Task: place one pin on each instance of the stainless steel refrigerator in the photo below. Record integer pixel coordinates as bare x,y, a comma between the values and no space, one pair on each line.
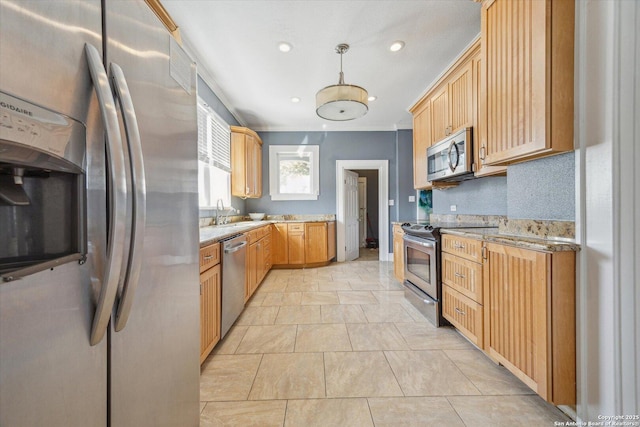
99,291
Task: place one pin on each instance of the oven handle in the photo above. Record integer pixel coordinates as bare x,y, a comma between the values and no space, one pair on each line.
413,291
419,241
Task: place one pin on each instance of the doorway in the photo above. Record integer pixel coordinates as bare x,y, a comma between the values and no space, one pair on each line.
342,169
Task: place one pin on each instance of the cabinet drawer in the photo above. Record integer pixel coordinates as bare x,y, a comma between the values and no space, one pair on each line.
462,275
209,256
296,227
470,249
463,313
252,236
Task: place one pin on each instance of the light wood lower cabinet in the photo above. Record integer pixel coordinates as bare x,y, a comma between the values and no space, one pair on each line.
530,318
258,258
210,310
398,252
462,286
297,244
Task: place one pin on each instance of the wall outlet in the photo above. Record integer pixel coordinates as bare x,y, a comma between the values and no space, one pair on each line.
453,208
391,202
412,199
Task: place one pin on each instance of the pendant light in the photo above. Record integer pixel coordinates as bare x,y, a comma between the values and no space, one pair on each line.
342,102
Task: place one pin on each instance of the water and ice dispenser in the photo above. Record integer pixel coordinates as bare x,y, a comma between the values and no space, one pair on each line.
42,188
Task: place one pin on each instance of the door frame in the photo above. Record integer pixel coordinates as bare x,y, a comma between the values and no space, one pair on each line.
382,166
362,237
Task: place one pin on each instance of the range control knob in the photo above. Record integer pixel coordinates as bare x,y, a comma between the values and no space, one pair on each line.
429,227
406,224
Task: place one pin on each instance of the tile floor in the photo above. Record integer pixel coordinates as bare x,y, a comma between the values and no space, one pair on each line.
339,346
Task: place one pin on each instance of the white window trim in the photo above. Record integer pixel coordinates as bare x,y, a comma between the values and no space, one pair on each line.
313,151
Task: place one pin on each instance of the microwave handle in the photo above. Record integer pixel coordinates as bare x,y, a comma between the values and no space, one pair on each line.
451,147
118,205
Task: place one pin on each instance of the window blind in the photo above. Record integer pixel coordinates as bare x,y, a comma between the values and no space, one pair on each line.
214,138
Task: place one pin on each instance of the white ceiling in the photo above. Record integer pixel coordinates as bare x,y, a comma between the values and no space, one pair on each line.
236,47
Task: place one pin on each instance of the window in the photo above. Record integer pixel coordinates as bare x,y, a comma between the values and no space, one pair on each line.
214,158
293,172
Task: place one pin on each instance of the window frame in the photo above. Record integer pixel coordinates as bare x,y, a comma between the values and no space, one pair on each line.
313,152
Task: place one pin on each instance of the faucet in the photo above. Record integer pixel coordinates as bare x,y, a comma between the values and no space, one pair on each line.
219,207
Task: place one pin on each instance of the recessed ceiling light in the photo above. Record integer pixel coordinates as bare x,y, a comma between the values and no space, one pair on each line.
372,98
295,99
396,46
284,47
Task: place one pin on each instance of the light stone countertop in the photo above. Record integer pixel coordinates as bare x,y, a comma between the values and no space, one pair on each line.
492,235
215,233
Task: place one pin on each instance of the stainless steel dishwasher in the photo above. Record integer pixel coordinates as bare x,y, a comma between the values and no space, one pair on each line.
233,280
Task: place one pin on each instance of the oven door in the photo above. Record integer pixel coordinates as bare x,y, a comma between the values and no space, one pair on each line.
420,266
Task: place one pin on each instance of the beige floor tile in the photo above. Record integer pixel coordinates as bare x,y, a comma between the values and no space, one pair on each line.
282,298
268,339
268,413
228,377
375,336
386,313
202,405
342,314
365,286
319,298
413,411
257,316
507,411
317,338
359,374
298,314
337,285
289,376
389,297
428,373
273,285
356,297
300,286
425,336
328,413
488,377
231,341
256,299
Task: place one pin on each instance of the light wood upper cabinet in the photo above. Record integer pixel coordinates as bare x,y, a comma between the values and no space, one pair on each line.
440,114
530,317
315,246
480,120
527,79
246,163
421,141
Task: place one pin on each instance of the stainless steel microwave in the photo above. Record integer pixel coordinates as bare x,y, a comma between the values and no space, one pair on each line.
452,158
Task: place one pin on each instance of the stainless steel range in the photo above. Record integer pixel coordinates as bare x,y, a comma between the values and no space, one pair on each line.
422,267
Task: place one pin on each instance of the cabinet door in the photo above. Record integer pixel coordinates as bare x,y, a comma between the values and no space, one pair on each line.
251,270
528,59
209,311
250,166
238,165
460,98
279,244
315,238
515,282
296,243
398,253
440,114
421,141
480,125
259,265
257,165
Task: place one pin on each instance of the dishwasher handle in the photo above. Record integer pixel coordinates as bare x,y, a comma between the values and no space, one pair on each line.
236,248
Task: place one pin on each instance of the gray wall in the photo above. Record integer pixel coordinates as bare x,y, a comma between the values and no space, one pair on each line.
205,92
543,189
333,146
482,196
406,210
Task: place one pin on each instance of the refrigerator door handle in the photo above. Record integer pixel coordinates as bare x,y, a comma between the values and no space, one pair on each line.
118,205
139,199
